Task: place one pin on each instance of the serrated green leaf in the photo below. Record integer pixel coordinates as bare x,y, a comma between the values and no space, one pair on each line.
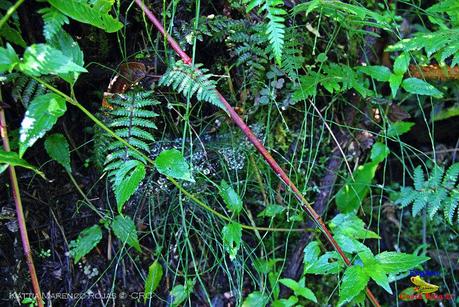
8,59
86,241
230,197
57,147
394,262
299,289
379,73
398,128
255,299
127,180
420,87
53,21
124,229
352,226
70,48
181,292
95,15
355,280
155,273
328,263
40,117
12,158
375,270
42,59
232,237
172,163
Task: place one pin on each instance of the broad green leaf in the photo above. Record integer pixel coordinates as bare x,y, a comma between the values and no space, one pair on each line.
127,180
232,236
379,152
401,63
12,35
12,158
352,226
398,128
351,195
311,254
271,210
255,299
42,59
290,302
375,270
328,263
57,147
86,241
8,59
230,197
172,164
393,262
420,87
155,273
83,11
394,81
379,73
40,117
124,229
349,244
181,292
70,48
355,280
299,289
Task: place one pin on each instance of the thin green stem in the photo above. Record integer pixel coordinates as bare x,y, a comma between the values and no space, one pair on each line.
10,12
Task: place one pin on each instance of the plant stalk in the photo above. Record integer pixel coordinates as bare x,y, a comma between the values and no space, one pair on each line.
20,213
260,148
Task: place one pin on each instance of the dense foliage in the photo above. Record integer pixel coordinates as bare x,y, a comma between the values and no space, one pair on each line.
149,193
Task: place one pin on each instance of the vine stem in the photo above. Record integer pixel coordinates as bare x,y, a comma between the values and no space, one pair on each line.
260,147
20,213
10,12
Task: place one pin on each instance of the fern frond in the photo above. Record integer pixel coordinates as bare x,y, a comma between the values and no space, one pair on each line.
436,177
407,196
275,27
53,21
451,209
436,200
451,176
418,178
131,119
190,81
420,202
292,58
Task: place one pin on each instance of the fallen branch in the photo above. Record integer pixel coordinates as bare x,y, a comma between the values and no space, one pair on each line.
261,149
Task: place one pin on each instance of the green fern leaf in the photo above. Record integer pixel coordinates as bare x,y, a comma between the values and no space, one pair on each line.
420,202
275,27
418,178
451,176
452,206
53,21
436,177
407,196
190,81
436,200
94,13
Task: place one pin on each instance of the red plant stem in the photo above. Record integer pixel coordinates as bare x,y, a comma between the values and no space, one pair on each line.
261,149
20,213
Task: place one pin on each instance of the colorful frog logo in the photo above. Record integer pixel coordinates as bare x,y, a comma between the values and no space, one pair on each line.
423,286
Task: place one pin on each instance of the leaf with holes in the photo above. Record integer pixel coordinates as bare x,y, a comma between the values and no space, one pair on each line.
171,163
232,236
124,229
